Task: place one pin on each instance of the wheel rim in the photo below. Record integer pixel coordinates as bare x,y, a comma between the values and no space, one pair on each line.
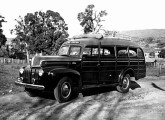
125,83
65,89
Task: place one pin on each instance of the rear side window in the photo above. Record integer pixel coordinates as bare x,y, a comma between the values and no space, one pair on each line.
90,51
122,52
107,51
87,51
95,52
132,52
140,53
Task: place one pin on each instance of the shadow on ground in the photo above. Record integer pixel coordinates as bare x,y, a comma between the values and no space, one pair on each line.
155,86
134,85
96,101
94,91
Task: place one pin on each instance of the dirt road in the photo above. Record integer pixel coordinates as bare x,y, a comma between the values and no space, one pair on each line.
145,101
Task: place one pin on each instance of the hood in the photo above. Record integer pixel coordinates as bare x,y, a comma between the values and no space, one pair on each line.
36,61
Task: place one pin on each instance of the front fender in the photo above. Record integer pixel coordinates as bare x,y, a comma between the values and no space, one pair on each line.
75,75
64,70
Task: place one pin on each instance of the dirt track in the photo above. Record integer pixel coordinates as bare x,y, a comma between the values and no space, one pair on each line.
145,101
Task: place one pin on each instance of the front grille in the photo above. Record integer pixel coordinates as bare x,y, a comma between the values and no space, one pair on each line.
31,76
35,76
27,76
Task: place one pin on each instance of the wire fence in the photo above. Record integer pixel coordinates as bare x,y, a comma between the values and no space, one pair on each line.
158,66
4,60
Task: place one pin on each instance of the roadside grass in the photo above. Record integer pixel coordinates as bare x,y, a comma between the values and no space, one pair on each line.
10,72
155,71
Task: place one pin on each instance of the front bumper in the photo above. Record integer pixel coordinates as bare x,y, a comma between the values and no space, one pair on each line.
26,85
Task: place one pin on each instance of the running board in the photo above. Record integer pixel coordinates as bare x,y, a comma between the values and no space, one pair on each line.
97,86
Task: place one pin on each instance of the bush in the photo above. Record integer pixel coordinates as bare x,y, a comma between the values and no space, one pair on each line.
12,56
20,55
3,53
162,53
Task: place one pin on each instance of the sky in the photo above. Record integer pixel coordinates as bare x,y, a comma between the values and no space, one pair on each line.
122,14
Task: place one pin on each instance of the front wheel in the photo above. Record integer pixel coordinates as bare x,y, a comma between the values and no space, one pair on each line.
63,90
125,84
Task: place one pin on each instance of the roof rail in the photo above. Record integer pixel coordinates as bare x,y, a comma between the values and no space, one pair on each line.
97,36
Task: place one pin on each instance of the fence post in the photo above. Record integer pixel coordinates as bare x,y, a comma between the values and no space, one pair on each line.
160,68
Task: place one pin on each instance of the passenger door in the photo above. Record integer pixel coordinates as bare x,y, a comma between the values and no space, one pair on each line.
107,64
90,65
122,58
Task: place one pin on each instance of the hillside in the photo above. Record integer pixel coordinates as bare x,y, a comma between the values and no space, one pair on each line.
141,37
156,33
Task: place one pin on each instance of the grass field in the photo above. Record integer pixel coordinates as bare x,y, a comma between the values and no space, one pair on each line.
9,73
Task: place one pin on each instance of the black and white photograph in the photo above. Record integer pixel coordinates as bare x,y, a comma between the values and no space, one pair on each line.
82,60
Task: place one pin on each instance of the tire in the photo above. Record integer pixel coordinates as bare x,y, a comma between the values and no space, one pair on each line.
125,85
64,90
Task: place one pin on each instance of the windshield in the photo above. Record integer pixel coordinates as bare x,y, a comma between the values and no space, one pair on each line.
63,50
70,51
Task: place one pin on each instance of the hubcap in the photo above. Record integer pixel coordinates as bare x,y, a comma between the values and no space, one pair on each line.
65,89
125,83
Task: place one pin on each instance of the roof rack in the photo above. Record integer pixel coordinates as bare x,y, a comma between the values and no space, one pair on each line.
120,36
97,36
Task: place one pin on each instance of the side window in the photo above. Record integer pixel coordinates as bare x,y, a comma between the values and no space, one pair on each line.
90,51
107,51
140,53
122,52
87,51
132,52
95,52
75,50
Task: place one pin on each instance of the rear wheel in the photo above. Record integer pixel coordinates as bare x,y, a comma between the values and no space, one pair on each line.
63,91
125,84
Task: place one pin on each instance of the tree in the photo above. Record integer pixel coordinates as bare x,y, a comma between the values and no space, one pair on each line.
2,36
17,46
162,53
90,19
41,31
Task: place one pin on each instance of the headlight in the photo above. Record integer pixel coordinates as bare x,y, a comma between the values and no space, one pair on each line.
21,70
40,72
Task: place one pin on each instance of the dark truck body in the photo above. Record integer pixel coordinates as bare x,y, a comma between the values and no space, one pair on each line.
107,62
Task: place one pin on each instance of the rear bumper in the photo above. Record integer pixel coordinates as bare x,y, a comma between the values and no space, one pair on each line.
26,85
